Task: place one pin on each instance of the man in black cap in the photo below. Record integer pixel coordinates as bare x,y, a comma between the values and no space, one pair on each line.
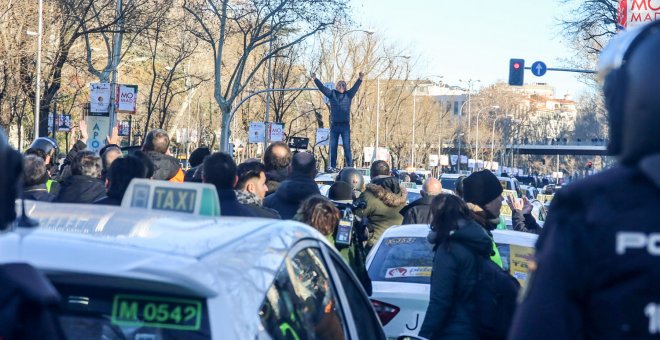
298,186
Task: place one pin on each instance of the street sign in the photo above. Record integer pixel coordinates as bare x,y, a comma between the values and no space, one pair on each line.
539,68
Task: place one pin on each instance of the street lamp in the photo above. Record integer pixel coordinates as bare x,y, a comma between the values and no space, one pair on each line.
378,106
368,31
470,83
476,147
458,162
492,138
37,92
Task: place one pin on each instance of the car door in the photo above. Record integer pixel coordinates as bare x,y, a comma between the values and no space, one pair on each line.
302,301
362,319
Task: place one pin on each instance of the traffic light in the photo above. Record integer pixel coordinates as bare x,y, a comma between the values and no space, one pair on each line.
590,165
232,150
516,72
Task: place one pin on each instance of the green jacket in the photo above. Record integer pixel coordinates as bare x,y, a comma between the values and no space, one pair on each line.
381,211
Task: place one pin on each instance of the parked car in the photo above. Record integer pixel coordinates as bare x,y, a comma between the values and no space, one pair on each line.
400,266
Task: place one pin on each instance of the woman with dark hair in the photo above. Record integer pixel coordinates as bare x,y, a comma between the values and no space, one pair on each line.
458,242
121,173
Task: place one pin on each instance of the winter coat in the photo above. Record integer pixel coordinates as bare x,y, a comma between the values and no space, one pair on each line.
274,178
165,167
450,313
256,204
38,192
290,195
229,205
418,212
382,210
597,265
340,103
81,189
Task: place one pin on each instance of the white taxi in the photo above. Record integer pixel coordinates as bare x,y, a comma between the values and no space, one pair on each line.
130,273
400,265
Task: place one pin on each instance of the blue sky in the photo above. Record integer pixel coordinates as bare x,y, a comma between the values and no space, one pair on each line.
474,39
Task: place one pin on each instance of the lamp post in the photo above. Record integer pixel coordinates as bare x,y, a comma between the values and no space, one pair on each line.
368,31
458,161
470,83
378,107
476,146
492,138
37,91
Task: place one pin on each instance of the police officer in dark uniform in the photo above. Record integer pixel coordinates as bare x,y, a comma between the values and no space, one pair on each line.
597,270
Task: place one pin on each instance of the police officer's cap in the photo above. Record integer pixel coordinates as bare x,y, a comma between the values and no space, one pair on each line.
351,176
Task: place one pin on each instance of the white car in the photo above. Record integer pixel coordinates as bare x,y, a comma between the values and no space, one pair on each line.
400,266
129,273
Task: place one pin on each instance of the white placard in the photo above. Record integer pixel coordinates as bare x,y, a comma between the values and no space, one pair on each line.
276,131
64,124
434,160
323,137
97,129
99,97
444,160
126,98
256,132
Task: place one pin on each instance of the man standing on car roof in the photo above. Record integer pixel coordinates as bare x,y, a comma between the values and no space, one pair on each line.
598,258
340,117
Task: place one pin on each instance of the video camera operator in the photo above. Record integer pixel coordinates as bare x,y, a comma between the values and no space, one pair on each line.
351,233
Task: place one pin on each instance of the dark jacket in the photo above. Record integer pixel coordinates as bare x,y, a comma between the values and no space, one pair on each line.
229,205
81,189
274,178
165,166
450,313
340,103
290,194
256,204
38,193
418,212
194,175
597,259
30,304
382,210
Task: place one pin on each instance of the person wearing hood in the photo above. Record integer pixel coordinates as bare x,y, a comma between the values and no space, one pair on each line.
298,186
251,188
156,145
277,160
84,185
384,198
458,241
419,211
597,262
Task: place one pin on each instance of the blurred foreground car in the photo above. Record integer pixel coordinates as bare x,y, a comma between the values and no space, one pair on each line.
129,273
400,267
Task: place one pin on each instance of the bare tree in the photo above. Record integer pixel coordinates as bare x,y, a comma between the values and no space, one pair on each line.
254,24
590,23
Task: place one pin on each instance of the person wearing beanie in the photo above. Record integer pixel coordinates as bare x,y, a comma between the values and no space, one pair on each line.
483,193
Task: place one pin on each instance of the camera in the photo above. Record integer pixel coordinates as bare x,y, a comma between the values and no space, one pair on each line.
350,229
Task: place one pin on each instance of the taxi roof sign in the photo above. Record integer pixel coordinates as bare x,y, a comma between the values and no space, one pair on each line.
192,198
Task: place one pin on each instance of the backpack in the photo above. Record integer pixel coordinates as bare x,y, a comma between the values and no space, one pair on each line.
495,293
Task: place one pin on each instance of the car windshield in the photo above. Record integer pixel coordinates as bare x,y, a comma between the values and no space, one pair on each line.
403,259
449,183
107,313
